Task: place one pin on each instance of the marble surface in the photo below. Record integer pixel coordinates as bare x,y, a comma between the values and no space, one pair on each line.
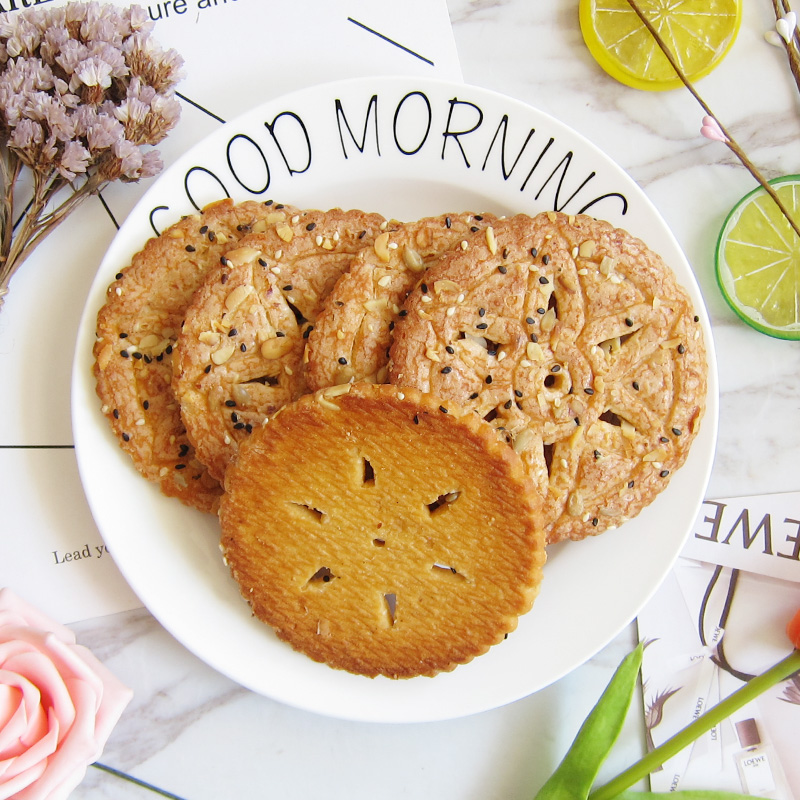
195,734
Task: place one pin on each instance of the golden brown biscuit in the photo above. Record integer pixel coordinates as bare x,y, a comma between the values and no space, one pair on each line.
136,332
576,342
240,353
380,532
351,336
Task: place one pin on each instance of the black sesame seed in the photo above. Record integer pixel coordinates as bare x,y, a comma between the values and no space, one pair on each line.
534,252
234,416
147,360
595,521
248,428
362,234
211,236
545,260
268,202
681,349
146,405
204,229
243,347
279,334
180,466
342,360
530,320
473,396
448,222
118,276
288,287
443,409
184,449
446,370
696,318
663,439
168,349
262,262
664,473
502,270
311,226
190,248
474,229
505,252
534,338
123,336
126,437
481,312
207,369
416,419
423,288
478,217
540,311
450,349
589,390
124,353
629,322
543,280
232,332
507,405
631,484
517,392
555,368
238,426
488,379
230,403
223,279
677,431
403,313
635,385
115,413
482,326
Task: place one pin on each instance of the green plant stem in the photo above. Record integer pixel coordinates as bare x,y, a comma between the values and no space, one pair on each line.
731,143
704,723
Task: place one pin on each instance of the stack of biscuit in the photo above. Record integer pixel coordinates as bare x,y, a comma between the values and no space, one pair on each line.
393,420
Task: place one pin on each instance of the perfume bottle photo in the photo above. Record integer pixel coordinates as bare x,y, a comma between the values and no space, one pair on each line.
759,769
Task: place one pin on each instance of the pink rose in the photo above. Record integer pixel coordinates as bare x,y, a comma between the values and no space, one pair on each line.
58,704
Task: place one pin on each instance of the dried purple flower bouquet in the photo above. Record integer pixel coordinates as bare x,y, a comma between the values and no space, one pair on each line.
84,92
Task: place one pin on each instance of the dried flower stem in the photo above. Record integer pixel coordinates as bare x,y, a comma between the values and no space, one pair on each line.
730,142
782,8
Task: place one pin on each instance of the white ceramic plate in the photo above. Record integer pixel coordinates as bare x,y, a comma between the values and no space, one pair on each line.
406,148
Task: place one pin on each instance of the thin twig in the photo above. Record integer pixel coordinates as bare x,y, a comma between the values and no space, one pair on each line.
730,142
781,9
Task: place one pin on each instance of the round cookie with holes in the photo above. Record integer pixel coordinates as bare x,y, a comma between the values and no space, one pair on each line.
240,353
382,532
137,329
351,337
575,342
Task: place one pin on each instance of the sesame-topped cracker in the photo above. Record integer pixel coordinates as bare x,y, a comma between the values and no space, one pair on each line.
351,336
576,343
240,353
382,531
137,329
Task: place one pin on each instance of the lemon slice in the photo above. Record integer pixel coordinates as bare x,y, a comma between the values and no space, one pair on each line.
758,260
699,34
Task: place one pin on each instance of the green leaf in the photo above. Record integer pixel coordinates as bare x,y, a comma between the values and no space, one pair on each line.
575,775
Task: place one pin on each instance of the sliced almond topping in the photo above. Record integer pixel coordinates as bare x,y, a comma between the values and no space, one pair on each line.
276,347
242,255
285,232
211,338
151,340
237,297
431,354
534,352
275,216
548,320
384,281
659,454
445,285
381,246
223,354
376,304
587,249
491,241
412,259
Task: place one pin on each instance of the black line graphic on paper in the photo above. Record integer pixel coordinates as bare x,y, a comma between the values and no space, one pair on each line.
391,41
108,210
200,107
